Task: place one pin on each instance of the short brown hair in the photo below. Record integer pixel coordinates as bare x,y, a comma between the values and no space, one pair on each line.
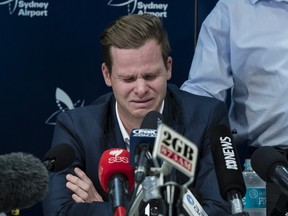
132,31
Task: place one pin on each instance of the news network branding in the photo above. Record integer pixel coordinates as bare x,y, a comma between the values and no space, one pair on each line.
144,133
142,7
228,153
117,157
192,206
176,149
23,8
64,103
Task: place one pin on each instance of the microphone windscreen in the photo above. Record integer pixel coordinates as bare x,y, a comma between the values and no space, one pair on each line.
265,159
62,156
146,134
226,161
152,120
23,181
115,161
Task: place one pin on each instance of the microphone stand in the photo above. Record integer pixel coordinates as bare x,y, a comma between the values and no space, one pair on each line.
172,193
142,164
151,194
147,193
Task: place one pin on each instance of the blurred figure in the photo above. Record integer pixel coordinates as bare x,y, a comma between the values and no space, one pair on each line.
242,49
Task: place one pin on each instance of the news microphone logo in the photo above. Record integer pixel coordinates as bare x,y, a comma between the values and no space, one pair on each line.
191,205
176,149
113,162
116,157
144,133
228,153
139,136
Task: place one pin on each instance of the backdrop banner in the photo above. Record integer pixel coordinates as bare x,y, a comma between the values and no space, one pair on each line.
50,60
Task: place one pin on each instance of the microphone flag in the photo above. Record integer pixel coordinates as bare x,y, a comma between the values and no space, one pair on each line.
172,147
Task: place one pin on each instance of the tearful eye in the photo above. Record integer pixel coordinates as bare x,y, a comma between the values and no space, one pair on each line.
129,80
150,77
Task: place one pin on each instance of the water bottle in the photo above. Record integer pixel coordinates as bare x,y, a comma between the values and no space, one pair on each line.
254,200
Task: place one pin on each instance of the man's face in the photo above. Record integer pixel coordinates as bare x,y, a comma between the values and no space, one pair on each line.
138,78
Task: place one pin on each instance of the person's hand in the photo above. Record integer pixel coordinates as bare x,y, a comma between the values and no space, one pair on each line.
82,187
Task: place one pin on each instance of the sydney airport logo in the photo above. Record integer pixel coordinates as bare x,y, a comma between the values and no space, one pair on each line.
26,8
64,103
140,7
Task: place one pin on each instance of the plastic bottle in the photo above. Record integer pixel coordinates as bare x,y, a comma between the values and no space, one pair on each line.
255,198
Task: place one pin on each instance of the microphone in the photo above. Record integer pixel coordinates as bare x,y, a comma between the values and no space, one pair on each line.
228,170
181,153
24,178
192,205
176,151
142,143
23,181
271,166
59,157
116,177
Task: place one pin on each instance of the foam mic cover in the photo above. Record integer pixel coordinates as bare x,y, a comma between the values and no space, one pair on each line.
264,161
23,181
146,135
113,162
226,161
59,157
152,120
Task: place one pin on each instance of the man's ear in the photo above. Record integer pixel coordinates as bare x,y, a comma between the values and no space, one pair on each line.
169,67
106,75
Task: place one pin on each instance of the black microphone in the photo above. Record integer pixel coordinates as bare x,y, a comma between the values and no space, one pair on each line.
23,181
271,166
59,157
142,143
228,169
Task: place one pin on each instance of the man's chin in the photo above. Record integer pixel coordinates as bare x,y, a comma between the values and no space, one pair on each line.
141,113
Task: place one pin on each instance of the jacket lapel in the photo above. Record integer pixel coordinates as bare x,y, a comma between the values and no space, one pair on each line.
172,114
112,137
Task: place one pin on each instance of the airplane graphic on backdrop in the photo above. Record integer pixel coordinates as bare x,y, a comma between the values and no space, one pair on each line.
131,4
12,4
64,103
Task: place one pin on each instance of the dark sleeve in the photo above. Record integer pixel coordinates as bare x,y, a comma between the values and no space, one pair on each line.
59,199
206,181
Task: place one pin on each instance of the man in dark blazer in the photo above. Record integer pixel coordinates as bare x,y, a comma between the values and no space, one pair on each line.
137,66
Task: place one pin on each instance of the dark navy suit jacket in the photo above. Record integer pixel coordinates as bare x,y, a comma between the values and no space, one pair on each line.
93,129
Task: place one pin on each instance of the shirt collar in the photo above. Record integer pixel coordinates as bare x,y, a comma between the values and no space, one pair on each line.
123,130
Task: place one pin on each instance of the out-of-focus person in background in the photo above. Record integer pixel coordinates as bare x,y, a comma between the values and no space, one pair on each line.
241,54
